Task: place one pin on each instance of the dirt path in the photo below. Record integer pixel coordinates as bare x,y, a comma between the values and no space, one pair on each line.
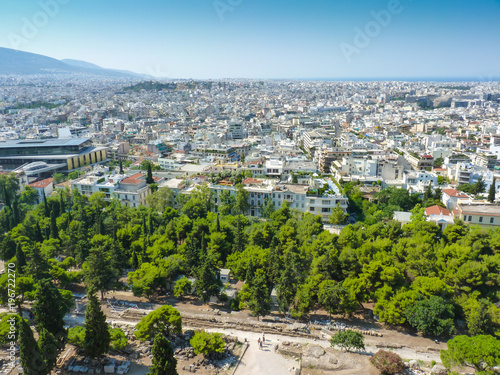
263,361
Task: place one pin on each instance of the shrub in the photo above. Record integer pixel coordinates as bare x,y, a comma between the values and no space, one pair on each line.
207,343
387,362
348,340
118,339
76,336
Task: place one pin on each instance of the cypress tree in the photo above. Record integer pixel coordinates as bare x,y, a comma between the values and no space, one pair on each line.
6,197
38,233
46,209
121,166
149,176
32,360
151,224
62,206
48,309
49,348
15,210
97,336
20,257
135,261
163,360
492,191
54,231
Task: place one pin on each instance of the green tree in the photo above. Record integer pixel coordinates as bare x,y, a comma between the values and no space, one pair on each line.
336,299
58,178
20,257
32,360
49,348
492,191
432,316
417,214
348,340
481,352
207,343
100,271
207,283
268,209
163,362
118,340
226,203
97,337
438,162
260,300
121,167
54,231
49,309
166,320
338,217
161,199
28,196
286,289
76,336
149,175
9,185
241,205
182,287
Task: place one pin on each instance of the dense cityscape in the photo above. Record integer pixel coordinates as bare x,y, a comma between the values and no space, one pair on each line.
268,198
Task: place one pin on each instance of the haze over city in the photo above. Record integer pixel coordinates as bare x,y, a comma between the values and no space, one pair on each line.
402,39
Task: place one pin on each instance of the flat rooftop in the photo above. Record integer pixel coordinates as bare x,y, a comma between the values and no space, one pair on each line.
43,142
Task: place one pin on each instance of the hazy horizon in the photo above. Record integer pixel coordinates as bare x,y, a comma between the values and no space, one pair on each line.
215,39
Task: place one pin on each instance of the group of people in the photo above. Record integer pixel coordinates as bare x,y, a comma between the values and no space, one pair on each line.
261,342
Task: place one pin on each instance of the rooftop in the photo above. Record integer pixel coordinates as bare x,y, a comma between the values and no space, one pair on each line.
42,184
43,142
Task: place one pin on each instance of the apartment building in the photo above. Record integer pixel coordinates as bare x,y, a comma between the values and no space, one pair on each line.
484,215
302,197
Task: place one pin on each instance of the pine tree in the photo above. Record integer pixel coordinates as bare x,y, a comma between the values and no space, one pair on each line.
163,360
32,360
97,336
48,309
49,348
20,257
492,191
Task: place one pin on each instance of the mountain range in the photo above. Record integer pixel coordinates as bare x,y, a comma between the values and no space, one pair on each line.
25,63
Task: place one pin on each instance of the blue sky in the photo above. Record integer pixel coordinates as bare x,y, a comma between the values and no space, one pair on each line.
264,39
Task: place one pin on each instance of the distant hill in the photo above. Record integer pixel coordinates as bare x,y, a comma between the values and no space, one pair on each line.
18,62
87,65
25,63
81,64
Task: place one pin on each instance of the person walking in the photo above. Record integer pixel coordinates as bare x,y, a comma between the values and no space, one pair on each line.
263,338
260,344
